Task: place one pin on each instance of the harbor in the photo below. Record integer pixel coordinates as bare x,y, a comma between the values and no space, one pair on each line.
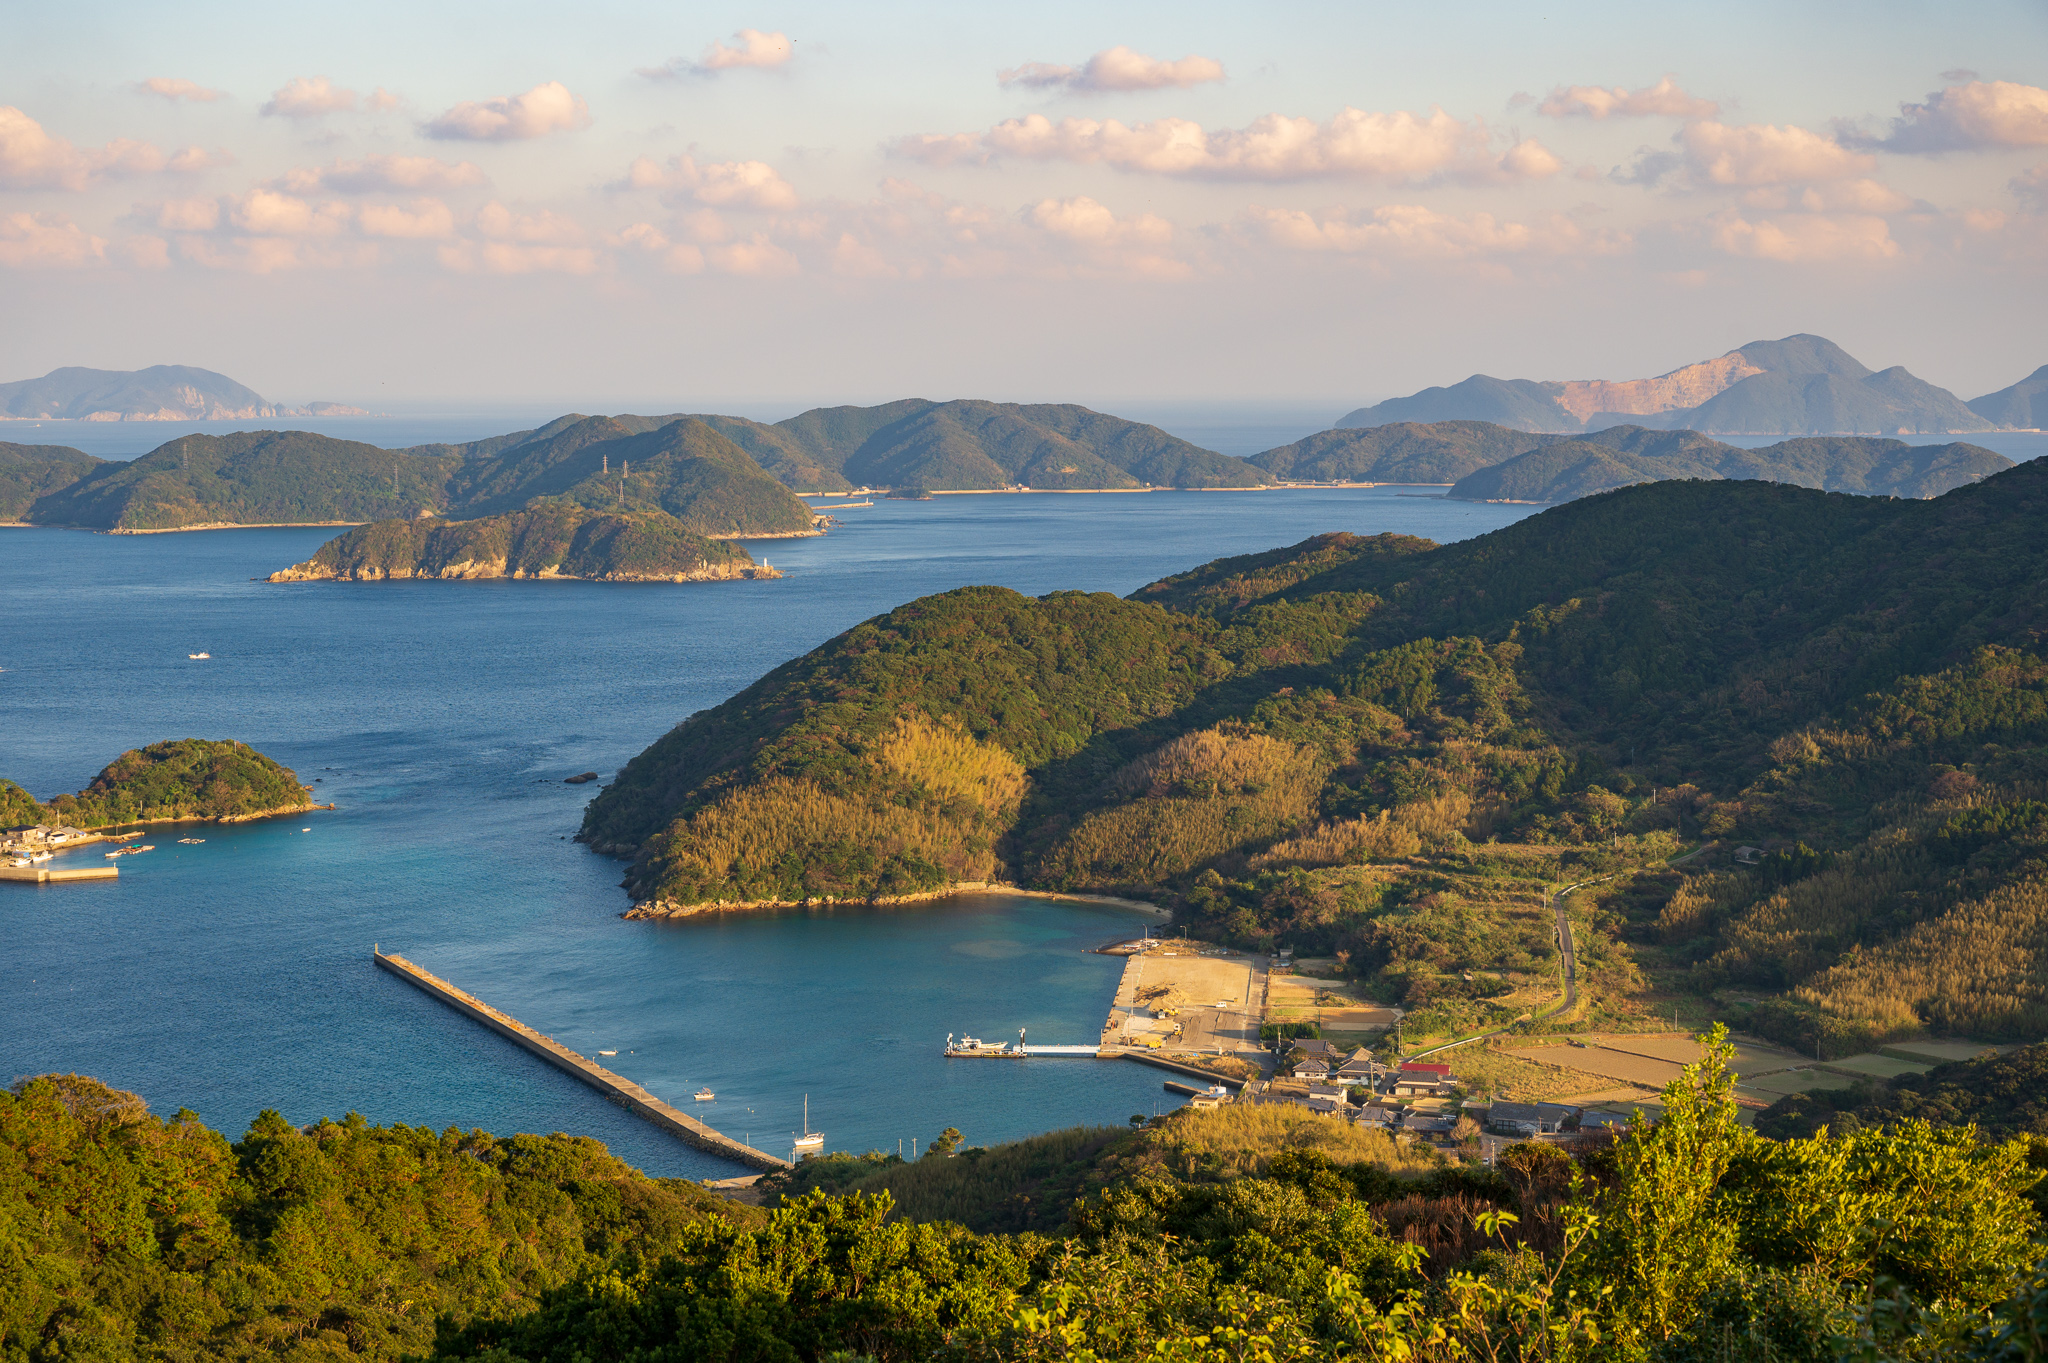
622,1091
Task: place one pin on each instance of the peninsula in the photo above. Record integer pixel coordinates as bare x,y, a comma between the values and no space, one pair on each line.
1362,746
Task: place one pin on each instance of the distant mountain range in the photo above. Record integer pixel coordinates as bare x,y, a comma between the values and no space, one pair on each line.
1801,385
162,392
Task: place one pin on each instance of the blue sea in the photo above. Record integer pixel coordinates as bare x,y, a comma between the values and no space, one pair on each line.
234,975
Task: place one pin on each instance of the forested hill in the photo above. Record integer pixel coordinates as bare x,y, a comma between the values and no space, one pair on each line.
29,471
550,538
185,778
1762,662
973,445
683,468
1871,465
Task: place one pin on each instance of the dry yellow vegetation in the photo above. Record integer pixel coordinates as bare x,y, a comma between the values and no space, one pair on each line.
1242,1139
950,763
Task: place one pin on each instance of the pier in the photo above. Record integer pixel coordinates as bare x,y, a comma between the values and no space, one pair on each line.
43,875
622,1091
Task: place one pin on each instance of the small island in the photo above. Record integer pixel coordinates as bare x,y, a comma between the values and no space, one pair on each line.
170,782
550,539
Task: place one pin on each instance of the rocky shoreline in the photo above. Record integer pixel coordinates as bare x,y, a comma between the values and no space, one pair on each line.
471,571
668,908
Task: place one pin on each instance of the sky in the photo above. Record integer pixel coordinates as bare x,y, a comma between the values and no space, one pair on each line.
675,204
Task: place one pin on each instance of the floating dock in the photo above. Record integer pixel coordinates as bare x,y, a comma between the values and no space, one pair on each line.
43,875
622,1091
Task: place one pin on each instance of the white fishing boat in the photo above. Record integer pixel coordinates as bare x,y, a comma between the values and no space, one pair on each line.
607,1052
975,1046
197,657
705,1095
810,1140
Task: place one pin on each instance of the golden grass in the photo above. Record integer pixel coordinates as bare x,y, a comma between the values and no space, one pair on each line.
1485,1069
950,763
1243,1139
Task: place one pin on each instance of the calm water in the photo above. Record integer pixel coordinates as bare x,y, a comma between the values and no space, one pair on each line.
235,975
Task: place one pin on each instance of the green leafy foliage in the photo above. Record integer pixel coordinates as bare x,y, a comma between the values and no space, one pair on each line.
186,778
125,1236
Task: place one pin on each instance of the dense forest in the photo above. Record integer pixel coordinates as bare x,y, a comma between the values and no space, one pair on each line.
683,468
549,539
1383,750
186,778
1239,1233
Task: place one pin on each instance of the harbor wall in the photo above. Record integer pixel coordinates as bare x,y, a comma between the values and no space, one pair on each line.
43,875
622,1091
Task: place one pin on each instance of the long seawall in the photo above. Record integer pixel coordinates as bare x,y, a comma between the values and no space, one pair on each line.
624,1092
42,875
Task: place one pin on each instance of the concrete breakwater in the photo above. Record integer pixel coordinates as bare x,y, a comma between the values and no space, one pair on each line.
43,875
622,1091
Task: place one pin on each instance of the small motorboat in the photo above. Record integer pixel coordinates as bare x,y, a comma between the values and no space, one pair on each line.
198,657
607,1052
305,830
704,1095
191,842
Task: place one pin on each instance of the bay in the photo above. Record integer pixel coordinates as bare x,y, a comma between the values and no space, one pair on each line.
441,717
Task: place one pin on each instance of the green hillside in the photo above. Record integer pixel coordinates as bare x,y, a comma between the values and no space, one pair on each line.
682,468
29,471
250,478
1398,452
187,778
972,445
1614,458
1323,747
548,539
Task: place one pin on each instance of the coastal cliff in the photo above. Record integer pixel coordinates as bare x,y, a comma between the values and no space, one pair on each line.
548,540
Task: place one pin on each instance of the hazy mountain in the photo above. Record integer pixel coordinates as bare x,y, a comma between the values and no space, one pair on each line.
1868,465
162,392
29,471
2024,405
1400,452
1800,385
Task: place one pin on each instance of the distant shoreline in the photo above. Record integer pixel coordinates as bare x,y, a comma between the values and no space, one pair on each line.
657,908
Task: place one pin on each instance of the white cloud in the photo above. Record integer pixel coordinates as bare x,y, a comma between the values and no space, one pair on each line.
1114,69
505,257
751,48
174,89
371,173
41,240
857,259
308,97
1807,238
501,223
192,160
1107,244
265,212
1663,100
677,257
725,184
1396,147
1976,114
182,215
757,257
545,108
32,159
419,220
1750,155
1412,231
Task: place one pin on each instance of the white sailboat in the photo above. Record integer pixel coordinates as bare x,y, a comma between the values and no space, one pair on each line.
810,1140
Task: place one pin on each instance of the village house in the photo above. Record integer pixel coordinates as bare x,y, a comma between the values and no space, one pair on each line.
1530,1119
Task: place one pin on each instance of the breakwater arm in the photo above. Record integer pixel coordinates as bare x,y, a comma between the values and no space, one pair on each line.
622,1091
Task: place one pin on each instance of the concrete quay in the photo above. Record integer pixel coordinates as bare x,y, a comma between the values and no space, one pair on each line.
622,1091
43,875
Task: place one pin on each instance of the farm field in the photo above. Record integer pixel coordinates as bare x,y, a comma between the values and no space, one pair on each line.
1879,1066
1598,1060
